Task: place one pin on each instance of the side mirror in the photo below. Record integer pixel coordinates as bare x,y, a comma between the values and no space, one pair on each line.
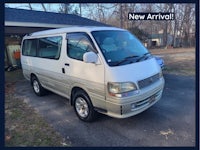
90,57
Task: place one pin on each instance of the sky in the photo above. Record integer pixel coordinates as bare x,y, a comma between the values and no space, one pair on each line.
36,6
54,7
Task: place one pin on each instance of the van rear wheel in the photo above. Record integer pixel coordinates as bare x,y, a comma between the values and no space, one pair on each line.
37,87
83,107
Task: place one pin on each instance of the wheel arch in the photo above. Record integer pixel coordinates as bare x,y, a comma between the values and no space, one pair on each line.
31,77
74,90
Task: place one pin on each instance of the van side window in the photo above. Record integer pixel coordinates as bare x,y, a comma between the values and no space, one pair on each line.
49,47
29,47
77,45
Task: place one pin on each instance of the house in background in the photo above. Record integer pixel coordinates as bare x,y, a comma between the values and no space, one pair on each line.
19,22
156,40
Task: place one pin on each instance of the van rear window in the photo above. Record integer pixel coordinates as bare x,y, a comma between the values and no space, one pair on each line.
48,47
29,47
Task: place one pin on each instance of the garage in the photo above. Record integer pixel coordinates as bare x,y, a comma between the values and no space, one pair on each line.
19,22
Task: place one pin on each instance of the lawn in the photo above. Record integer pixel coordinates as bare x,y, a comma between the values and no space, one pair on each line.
23,125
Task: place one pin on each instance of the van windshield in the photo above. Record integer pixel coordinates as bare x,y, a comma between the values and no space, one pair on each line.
120,47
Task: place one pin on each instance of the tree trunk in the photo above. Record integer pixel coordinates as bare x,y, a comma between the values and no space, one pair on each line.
165,34
30,6
43,6
121,17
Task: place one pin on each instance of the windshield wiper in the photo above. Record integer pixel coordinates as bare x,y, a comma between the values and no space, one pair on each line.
125,59
143,57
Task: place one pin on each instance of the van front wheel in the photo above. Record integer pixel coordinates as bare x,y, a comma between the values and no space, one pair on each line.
83,107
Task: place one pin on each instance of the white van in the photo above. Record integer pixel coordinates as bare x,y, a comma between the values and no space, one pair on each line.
99,69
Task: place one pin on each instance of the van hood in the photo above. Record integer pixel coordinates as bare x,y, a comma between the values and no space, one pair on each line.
132,72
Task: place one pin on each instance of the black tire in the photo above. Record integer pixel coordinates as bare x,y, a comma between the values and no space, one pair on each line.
37,87
88,113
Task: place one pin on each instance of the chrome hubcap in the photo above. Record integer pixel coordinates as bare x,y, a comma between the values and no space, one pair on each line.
36,86
82,107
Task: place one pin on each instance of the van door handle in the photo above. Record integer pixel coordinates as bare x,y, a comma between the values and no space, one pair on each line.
63,70
66,64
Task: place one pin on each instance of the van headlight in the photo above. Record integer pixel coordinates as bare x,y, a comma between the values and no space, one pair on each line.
121,89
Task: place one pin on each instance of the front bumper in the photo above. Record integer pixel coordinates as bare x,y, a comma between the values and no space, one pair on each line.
127,107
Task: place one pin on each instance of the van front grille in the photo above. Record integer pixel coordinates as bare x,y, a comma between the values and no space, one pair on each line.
148,81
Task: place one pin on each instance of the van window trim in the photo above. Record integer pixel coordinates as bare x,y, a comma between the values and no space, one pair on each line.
37,46
80,33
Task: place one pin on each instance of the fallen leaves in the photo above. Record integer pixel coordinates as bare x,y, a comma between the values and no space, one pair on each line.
167,133
24,127
7,138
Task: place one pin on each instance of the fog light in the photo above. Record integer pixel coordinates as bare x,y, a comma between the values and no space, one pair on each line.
133,106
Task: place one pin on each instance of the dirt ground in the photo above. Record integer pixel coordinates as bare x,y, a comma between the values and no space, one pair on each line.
180,61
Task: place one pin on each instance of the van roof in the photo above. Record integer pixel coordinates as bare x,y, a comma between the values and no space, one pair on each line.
73,29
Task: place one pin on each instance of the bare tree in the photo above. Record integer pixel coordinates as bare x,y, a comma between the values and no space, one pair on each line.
185,23
43,6
80,7
65,8
29,5
182,29
101,12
